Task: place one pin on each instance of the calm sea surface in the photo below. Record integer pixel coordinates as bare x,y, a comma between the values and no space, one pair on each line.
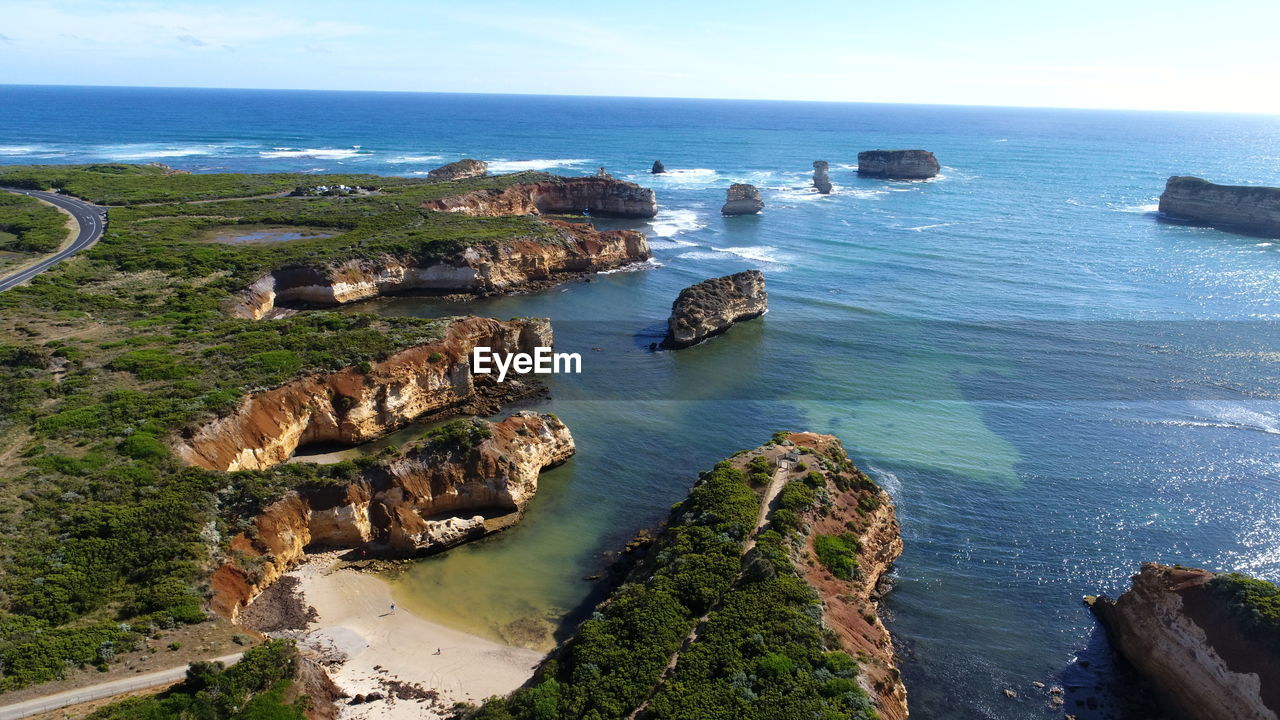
1054,385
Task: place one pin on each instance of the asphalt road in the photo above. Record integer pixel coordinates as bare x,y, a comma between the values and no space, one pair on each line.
157,679
91,218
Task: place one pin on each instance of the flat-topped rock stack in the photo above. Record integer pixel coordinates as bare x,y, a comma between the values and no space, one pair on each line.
713,306
898,164
742,199
1251,208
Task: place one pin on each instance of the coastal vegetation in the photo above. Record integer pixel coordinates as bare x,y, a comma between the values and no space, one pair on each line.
105,537
28,225
1254,601
258,687
700,630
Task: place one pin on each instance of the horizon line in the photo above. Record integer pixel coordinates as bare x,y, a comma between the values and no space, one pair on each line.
651,97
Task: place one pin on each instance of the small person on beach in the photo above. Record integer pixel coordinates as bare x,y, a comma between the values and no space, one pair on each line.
393,609
437,652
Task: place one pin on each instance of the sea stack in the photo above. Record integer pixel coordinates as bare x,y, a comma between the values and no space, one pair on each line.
658,168
821,178
460,170
742,199
712,306
1209,644
1250,208
898,164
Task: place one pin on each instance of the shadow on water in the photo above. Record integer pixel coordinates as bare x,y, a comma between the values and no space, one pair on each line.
1101,685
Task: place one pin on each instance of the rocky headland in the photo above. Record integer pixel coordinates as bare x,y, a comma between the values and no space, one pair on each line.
898,164
713,306
599,195
358,404
771,566
434,494
1250,208
822,176
742,199
460,170
482,268
1209,644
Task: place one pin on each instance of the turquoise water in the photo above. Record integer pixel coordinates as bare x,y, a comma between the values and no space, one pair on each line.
1054,384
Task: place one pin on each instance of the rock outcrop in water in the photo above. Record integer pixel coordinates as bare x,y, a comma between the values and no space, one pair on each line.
712,306
1204,653
483,268
460,170
434,495
742,199
598,195
658,168
822,177
357,404
898,164
1252,209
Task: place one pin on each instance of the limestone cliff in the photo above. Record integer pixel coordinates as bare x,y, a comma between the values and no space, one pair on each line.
1200,655
742,199
850,606
434,495
482,268
600,195
355,404
1250,208
898,164
460,170
822,176
712,306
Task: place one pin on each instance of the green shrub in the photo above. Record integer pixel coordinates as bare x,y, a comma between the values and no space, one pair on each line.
838,553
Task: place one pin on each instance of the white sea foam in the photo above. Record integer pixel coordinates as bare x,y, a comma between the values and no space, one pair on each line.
678,178
1232,417
143,151
885,479
670,223
20,149
1265,244
415,159
315,153
503,165
757,253
1143,209
632,267
922,228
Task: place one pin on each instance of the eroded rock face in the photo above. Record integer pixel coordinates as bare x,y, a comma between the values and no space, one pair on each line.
1199,656
429,498
353,405
822,177
483,268
658,168
849,606
898,164
712,306
1250,208
742,199
460,170
598,195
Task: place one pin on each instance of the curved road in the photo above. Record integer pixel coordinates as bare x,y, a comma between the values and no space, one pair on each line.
91,219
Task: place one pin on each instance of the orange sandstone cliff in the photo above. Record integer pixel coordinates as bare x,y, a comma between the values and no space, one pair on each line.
860,507
356,404
1205,659
431,497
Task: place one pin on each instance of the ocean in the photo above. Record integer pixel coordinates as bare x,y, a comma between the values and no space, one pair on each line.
1054,384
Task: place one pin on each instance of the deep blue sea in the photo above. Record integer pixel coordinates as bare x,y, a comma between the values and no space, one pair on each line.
1054,384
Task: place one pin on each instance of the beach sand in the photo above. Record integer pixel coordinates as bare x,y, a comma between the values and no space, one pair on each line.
384,649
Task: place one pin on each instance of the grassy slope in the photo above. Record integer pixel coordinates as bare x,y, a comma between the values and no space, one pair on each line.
29,226
103,535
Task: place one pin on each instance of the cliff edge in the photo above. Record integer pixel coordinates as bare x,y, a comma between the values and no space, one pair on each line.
1253,209
1209,644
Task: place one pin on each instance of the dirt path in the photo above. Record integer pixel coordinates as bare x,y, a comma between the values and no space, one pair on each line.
776,483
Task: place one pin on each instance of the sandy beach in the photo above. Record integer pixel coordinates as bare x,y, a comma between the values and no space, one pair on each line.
395,653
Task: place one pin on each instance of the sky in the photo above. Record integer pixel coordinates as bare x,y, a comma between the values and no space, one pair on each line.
1130,54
